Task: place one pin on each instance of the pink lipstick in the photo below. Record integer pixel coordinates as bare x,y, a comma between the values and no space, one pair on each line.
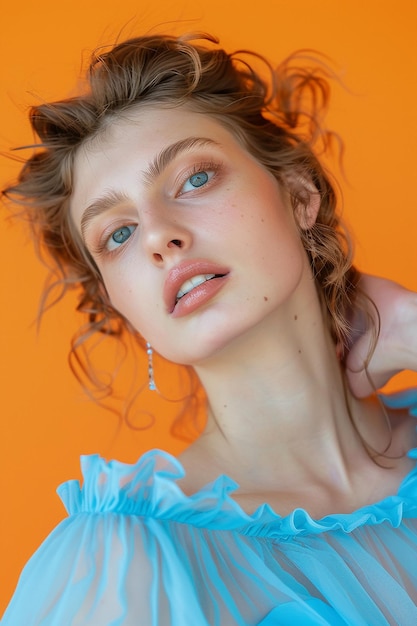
191,284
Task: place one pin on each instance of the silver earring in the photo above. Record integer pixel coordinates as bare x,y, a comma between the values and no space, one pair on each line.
151,380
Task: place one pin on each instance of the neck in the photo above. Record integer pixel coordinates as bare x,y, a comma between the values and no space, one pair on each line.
277,400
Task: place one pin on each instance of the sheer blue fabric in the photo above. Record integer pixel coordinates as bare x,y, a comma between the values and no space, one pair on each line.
136,551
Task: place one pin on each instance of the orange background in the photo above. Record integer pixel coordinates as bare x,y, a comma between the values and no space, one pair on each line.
46,420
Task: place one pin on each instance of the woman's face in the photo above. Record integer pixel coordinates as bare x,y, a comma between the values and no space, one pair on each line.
195,241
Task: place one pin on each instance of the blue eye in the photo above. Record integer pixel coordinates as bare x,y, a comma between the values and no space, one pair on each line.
120,236
199,179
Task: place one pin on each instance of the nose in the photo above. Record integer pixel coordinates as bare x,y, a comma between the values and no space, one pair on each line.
163,237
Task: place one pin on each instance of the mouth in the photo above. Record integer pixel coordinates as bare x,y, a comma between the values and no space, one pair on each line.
191,283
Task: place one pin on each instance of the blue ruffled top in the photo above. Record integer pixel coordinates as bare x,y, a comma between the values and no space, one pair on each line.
135,550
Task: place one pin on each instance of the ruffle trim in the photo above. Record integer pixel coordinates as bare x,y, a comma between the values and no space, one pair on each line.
148,489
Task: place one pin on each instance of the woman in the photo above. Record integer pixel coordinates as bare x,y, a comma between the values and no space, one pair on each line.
183,194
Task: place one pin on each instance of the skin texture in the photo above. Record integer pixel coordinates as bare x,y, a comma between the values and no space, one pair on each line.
278,420
238,220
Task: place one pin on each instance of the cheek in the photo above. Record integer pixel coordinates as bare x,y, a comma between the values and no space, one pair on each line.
120,291
275,230
133,296
280,253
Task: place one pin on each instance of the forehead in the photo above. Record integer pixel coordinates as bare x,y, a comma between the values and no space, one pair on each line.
151,128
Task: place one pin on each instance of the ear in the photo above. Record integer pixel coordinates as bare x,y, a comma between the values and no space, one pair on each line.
306,214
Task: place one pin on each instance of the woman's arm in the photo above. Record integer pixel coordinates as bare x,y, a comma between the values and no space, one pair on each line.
396,349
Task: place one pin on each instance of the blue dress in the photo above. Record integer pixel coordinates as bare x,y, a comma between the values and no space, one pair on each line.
136,551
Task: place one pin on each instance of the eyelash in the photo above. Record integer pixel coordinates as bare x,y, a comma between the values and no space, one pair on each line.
102,247
206,167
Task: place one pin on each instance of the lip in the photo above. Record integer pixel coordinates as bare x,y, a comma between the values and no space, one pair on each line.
184,271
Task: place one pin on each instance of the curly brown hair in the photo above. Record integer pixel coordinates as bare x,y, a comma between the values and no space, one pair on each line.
277,114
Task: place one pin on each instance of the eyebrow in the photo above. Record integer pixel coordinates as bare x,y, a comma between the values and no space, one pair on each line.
161,161
104,203
168,154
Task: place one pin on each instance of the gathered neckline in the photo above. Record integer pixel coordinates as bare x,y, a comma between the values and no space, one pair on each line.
148,488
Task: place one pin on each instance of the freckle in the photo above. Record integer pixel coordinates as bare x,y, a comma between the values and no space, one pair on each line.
265,298
296,317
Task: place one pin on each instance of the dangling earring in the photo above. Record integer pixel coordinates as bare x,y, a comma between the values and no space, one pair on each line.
151,381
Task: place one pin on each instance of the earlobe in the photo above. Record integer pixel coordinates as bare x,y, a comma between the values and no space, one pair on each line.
307,214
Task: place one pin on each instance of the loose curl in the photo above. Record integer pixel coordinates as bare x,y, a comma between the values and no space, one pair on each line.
276,114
